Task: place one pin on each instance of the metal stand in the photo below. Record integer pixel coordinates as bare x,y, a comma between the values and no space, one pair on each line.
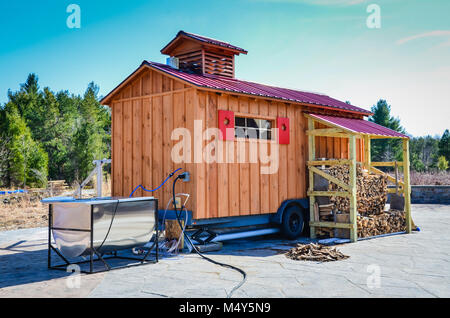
196,236
93,252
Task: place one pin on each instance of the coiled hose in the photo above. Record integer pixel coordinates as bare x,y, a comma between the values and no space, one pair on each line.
242,272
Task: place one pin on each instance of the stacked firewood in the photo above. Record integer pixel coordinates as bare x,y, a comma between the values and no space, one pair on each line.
315,252
325,232
325,213
371,190
371,197
387,222
57,187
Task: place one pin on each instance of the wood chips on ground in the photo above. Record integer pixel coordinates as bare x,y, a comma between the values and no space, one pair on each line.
315,252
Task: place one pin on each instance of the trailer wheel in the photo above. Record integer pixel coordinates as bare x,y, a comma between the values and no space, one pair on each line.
293,222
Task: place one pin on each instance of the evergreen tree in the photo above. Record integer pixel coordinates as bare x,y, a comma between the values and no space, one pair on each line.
386,149
90,136
72,130
416,163
27,159
68,120
444,145
52,133
27,100
5,156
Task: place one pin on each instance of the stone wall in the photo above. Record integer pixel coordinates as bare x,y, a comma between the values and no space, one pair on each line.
434,194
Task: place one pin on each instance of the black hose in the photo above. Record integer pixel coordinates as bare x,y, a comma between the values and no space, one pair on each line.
110,225
244,274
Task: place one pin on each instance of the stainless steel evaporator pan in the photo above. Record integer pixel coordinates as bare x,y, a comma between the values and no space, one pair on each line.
133,224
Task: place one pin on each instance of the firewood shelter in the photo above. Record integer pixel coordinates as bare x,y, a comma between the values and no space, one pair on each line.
352,129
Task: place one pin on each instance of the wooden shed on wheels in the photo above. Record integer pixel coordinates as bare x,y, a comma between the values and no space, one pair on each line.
195,96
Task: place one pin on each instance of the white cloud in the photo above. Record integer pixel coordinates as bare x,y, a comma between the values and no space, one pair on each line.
436,33
444,44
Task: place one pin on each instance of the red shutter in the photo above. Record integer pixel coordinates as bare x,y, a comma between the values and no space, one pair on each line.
283,130
226,124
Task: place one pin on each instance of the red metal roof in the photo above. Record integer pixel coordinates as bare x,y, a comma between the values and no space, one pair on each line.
359,126
255,89
206,40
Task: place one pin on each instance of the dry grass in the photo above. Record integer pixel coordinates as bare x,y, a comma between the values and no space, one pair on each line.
427,178
22,214
106,187
430,178
28,212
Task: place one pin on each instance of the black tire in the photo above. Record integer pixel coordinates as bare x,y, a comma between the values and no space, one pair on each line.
293,222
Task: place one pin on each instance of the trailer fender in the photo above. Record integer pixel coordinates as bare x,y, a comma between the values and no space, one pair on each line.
303,203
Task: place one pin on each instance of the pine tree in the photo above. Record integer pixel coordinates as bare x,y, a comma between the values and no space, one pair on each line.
5,156
444,145
68,118
41,129
27,100
89,139
52,133
386,149
28,160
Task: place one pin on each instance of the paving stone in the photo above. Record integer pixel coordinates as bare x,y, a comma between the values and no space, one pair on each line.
415,265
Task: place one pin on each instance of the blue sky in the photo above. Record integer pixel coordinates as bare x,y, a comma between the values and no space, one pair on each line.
315,45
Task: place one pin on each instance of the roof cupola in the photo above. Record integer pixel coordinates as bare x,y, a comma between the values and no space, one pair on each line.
202,55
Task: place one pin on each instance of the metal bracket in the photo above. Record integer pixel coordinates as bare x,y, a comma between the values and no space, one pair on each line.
200,232
98,171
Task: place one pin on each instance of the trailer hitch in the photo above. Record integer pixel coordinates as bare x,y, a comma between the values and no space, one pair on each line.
201,232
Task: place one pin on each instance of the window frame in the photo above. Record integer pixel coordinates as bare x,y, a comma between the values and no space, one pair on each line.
246,127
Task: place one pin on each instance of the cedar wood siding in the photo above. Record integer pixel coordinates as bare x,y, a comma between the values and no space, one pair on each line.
144,113
146,110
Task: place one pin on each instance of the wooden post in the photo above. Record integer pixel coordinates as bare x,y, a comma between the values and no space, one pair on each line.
174,232
367,152
353,204
311,156
407,187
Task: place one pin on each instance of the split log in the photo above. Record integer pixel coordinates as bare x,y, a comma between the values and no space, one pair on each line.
323,232
315,252
385,223
371,197
371,190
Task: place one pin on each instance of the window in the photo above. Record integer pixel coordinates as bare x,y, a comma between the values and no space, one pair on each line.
253,128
